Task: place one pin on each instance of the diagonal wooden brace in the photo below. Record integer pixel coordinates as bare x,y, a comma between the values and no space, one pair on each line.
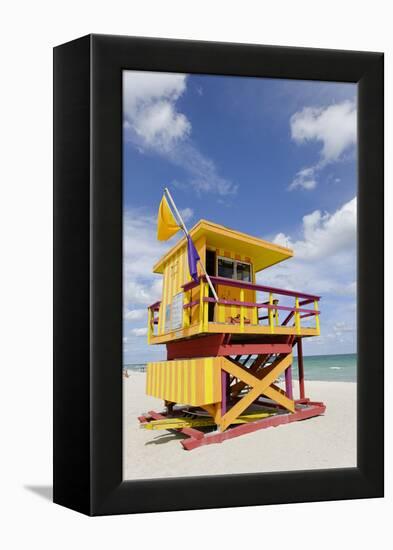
259,387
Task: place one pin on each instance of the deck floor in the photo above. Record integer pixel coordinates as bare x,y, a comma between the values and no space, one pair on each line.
224,328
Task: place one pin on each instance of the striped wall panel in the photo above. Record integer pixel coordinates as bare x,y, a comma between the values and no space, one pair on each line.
224,313
189,381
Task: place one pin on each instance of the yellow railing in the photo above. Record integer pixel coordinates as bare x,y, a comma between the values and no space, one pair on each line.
297,311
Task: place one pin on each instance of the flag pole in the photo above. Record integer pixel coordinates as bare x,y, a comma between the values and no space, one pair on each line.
183,226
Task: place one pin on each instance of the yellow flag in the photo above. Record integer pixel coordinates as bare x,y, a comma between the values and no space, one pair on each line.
166,222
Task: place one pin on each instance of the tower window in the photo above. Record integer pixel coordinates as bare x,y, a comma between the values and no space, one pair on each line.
233,269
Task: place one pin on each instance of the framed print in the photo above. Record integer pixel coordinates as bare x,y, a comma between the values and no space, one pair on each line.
218,296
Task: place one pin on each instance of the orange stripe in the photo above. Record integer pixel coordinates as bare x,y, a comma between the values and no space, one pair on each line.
147,381
185,382
153,379
182,392
165,380
175,367
157,372
161,379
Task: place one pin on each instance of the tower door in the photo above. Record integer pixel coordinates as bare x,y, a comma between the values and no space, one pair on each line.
211,270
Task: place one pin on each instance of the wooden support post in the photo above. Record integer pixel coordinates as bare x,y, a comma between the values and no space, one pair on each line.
224,388
317,317
242,310
297,316
187,311
288,382
206,309
276,313
150,325
201,304
300,367
271,313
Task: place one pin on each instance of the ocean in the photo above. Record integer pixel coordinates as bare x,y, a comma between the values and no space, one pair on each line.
335,368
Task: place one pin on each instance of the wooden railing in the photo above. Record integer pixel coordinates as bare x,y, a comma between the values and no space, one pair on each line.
270,308
152,319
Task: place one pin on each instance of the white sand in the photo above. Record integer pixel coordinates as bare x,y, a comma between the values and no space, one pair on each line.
327,441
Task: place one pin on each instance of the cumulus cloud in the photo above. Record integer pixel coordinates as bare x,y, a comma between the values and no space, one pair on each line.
154,124
324,234
142,331
324,264
149,105
141,287
334,127
187,214
305,179
324,256
135,314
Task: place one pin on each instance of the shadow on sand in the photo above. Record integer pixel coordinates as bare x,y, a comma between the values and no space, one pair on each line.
165,438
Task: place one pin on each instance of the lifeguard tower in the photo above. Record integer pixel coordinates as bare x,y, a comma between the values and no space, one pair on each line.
229,362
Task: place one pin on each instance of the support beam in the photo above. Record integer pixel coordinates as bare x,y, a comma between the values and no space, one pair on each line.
300,368
259,387
288,382
214,346
315,409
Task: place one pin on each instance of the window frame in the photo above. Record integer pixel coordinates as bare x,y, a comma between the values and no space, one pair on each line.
235,262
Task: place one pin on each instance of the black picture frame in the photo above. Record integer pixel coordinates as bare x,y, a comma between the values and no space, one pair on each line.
88,275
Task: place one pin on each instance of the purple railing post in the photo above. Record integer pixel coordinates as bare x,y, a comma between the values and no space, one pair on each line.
224,385
301,368
288,382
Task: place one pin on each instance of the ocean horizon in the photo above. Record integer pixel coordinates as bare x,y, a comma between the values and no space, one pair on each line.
330,368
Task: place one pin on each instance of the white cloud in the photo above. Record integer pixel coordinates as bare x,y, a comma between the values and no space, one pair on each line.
153,123
139,331
149,109
304,179
141,250
135,314
204,176
333,126
324,256
342,326
324,264
187,214
325,234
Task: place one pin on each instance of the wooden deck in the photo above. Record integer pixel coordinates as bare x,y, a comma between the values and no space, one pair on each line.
218,328
238,323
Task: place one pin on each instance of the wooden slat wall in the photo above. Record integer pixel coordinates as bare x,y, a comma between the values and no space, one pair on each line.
231,293
192,381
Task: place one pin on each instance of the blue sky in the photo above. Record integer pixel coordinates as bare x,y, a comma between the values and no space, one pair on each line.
273,158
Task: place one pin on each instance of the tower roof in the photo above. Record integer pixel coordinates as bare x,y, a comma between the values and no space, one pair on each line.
263,253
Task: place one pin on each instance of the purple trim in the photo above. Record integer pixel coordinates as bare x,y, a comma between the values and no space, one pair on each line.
155,306
224,384
261,305
192,304
310,314
288,382
251,286
302,393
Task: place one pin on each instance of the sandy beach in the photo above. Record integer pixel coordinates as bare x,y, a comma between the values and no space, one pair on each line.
327,441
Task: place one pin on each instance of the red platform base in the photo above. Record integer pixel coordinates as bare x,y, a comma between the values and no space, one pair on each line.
196,438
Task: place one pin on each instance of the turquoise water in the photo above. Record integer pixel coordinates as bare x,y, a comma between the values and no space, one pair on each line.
337,368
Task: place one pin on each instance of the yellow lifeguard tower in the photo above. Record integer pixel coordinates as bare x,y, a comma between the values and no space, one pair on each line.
227,357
